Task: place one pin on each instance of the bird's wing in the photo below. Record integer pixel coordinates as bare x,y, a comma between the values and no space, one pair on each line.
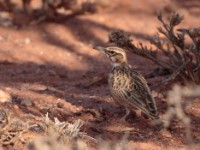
140,96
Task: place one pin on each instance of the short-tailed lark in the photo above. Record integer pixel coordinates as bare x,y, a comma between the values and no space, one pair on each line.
128,87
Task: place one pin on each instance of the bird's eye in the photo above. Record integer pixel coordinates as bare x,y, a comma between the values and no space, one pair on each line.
111,52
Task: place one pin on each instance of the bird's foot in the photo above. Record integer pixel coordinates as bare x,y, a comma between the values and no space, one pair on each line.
123,119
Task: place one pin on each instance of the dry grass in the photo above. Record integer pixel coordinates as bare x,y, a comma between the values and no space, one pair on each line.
61,135
12,128
66,131
178,98
68,136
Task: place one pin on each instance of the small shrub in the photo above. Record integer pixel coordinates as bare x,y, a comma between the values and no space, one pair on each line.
183,59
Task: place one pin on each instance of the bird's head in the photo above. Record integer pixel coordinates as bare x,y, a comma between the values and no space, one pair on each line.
117,55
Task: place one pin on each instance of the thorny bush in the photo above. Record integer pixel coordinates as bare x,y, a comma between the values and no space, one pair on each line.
183,59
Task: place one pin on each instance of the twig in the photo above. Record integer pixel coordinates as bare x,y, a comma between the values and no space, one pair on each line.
171,77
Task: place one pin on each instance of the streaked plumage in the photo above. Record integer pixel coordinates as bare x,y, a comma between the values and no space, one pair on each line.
128,87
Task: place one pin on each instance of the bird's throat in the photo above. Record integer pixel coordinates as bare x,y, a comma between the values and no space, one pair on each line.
117,64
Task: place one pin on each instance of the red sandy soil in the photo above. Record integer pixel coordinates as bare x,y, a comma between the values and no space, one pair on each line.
50,63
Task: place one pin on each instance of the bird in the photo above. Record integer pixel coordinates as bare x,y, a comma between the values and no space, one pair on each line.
127,86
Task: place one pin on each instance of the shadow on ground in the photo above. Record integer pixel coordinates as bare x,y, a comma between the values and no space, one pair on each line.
49,83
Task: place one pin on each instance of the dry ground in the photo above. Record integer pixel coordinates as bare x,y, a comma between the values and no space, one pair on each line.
50,67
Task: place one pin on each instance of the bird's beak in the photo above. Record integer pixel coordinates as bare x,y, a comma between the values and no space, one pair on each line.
99,48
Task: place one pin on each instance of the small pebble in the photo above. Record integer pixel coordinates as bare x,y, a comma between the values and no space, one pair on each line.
37,128
60,105
160,96
16,107
27,41
154,93
165,133
5,97
45,110
63,75
27,102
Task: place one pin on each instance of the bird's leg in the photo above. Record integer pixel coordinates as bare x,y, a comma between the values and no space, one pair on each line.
126,114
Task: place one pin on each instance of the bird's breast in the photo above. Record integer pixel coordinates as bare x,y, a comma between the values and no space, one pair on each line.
119,81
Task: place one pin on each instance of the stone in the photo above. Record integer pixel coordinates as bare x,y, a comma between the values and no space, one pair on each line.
5,97
27,102
27,41
60,105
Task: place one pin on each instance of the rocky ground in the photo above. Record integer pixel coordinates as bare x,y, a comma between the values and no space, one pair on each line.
51,67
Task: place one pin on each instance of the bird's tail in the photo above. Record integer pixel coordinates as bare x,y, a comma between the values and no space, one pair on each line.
152,108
